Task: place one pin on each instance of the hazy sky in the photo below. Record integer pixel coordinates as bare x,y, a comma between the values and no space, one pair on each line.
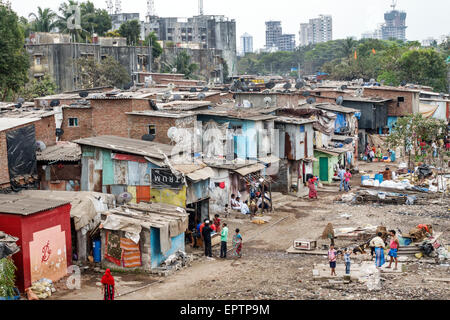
350,17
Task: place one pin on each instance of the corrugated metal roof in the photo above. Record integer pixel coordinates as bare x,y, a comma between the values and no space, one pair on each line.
132,146
161,114
336,108
21,205
9,123
250,169
62,151
202,174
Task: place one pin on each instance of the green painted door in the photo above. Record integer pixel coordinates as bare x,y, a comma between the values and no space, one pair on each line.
323,169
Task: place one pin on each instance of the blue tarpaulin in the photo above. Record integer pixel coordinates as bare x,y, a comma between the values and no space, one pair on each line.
340,122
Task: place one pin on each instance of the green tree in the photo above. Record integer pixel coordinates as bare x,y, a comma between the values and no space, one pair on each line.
113,34
152,40
38,88
131,30
65,14
44,20
426,67
7,277
94,20
107,72
182,64
14,61
26,26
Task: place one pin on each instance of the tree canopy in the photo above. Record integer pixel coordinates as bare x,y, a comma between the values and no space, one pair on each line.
152,40
182,64
38,88
14,61
131,30
107,72
44,20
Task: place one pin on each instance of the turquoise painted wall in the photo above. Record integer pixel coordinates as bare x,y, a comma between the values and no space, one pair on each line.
156,256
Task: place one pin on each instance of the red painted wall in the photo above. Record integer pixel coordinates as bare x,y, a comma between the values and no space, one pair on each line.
24,227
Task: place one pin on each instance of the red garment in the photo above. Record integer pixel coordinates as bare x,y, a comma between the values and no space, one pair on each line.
423,226
217,224
201,227
312,189
213,227
108,278
222,185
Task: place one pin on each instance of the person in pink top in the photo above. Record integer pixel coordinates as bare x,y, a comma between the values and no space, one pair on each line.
332,254
347,176
393,249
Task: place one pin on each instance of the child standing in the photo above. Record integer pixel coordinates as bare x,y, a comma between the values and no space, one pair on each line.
332,253
347,261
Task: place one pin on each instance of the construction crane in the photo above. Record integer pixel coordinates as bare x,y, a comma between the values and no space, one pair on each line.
394,4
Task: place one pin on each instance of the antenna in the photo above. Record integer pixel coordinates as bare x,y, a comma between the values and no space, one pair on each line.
394,4
110,6
151,8
200,7
118,7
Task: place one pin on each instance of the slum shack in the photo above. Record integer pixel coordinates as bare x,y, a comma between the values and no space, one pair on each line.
43,229
142,236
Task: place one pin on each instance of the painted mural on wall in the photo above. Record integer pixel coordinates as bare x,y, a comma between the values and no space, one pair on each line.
48,257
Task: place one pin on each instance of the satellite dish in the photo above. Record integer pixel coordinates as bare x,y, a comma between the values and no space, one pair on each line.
43,103
313,87
267,101
174,70
124,197
306,94
205,89
54,103
127,87
20,100
287,85
403,83
59,132
201,96
167,95
311,100
339,100
343,87
148,137
18,106
372,80
177,97
83,94
300,84
270,85
40,146
193,89
153,105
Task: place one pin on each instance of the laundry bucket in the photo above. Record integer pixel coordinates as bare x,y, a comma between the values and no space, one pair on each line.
379,177
363,178
97,251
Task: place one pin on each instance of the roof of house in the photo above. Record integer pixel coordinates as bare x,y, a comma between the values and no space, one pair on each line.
241,113
161,114
9,123
132,146
335,107
250,169
21,205
62,151
294,120
26,113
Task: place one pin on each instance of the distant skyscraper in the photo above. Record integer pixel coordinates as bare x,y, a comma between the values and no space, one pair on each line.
273,33
246,43
286,42
394,26
317,30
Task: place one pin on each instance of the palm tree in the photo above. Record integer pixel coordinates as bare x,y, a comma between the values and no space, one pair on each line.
347,46
44,20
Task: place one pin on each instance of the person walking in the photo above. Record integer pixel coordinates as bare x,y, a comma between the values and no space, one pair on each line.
341,174
223,241
109,288
393,249
237,244
347,176
206,233
312,188
379,245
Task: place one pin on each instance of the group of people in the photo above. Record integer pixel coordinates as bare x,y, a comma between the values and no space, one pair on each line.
257,201
373,152
344,175
377,246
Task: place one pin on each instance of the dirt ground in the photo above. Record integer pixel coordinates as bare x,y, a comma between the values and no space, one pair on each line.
266,271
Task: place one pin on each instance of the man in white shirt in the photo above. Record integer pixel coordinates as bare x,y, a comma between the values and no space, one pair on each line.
235,204
244,208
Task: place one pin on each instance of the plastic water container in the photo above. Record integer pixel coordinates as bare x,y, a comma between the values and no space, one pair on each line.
363,178
97,251
379,177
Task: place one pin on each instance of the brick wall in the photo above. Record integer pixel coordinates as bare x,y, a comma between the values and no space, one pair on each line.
138,126
109,118
45,130
84,129
395,108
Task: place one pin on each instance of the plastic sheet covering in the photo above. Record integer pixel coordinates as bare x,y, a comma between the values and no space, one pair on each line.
22,151
325,123
339,122
213,136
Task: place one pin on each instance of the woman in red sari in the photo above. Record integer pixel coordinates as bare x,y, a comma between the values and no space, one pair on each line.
109,289
312,188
